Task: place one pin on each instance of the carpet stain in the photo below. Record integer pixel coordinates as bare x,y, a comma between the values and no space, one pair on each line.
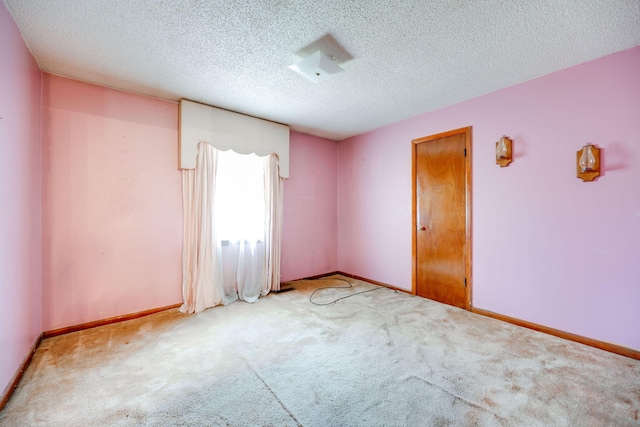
489,402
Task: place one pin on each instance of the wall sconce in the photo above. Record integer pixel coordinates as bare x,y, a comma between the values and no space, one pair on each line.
588,162
503,152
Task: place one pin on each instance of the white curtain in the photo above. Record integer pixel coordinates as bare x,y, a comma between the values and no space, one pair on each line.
201,281
273,223
223,262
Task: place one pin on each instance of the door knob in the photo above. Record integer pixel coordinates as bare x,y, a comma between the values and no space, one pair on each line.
422,228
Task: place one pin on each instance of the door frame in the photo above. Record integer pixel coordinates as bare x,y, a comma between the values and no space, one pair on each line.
414,201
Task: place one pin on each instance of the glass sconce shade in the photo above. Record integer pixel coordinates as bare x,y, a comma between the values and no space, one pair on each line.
501,149
587,159
588,162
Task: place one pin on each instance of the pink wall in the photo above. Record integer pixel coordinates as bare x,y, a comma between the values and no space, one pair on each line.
547,247
20,206
112,204
309,241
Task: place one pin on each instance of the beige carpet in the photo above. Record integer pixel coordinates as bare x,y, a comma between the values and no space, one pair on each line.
382,358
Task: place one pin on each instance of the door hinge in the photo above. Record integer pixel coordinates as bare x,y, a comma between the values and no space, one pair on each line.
465,152
465,282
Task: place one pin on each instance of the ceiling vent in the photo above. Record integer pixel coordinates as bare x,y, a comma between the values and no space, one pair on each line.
317,67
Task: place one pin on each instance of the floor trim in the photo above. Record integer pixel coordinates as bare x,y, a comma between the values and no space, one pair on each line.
352,276
110,320
613,348
8,391
320,276
375,282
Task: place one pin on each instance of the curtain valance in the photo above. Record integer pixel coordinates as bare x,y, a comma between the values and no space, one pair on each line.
228,130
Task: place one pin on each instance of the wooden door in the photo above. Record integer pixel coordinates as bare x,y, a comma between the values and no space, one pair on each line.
441,235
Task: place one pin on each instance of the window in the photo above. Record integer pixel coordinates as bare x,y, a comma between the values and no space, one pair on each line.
239,211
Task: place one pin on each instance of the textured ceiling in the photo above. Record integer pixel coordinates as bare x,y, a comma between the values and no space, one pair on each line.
402,58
